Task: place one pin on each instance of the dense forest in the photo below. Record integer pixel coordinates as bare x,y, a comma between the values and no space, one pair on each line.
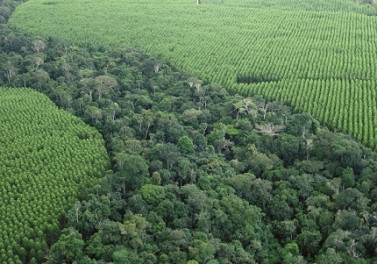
198,175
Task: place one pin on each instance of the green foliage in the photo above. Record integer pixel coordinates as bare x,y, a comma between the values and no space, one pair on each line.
68,248
47,156
185,145
133,172
152,193
121,257
198,174
315,55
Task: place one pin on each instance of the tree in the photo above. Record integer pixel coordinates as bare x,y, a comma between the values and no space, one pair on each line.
280,110
103,84
217,137
310,166
269,129
304,183
346,220
247,106
339,148
120,158
198,83
89,84
242,184
133,229
260,163
202,251
191,81
68,248
76,207
351,198
134,172
156,66
279,209
196,198
291,254
38,45
133,146
121,257
186,171
347,152
41,79
168,153
286,229
190,117
147,120
308,242
348,177
300,125
113,109
185,145
290,148
152,194
337,240
261,192
38,61
94,112
263,106
10,70
5,11
330,257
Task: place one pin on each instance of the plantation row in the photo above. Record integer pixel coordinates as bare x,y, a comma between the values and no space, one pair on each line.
359,6
46,157
254,50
